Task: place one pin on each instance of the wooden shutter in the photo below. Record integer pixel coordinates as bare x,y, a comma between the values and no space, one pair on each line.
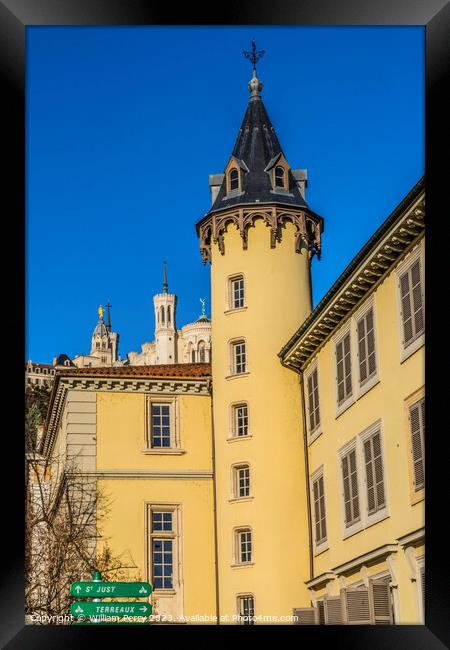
417,301
422,584
347,366
340,371
380,602
417,420
350,481
374,473
321,610
405,293
311,403
366,347
355,605
333,610
319,510
306,616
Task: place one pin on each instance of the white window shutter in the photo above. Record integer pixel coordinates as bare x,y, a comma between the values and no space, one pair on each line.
306,616
417,298
417,421
380,602
333,610
355,606
405,294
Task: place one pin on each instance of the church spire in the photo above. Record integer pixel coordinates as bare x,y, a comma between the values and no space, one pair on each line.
108,318
165,285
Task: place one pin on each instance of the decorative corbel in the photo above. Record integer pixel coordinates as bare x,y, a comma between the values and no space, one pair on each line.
393,571
411,557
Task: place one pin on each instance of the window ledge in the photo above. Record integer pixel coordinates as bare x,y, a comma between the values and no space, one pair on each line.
314,435
243,565
236,438
344,406
381,515
352,530
232,310
237,499
235,376
164,592
318,550
412,347
418,496
368,385
162,452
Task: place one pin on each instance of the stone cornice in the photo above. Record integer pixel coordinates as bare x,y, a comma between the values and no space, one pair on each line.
212,227
149,474
120,384
356,284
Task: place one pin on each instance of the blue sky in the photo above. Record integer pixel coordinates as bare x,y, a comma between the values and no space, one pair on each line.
124,124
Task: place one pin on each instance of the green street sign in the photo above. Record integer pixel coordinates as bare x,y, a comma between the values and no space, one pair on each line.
110,589
118,609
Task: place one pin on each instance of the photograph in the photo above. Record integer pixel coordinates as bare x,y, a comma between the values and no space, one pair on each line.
225,325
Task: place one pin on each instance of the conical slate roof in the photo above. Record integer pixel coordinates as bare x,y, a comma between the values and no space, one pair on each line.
256,147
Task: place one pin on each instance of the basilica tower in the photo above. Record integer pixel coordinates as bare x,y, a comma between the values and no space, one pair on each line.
259,237
165,324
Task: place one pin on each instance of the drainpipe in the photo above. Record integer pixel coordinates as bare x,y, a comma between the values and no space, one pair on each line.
305,452
216,550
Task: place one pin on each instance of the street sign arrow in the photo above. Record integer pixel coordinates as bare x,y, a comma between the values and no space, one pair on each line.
113,608
110,589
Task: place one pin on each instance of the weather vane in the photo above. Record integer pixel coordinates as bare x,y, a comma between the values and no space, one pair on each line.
254,56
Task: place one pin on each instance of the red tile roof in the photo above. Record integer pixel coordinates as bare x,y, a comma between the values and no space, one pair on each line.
188,370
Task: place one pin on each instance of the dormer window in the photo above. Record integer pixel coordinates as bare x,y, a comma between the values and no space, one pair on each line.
233,180
280,177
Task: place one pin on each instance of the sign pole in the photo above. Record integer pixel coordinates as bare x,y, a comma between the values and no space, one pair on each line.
96,577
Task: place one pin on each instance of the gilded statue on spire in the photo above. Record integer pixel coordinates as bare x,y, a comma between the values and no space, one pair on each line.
100,312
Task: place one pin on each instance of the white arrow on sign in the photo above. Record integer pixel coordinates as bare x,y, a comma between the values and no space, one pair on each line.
143,590
79,610
143,609
78,589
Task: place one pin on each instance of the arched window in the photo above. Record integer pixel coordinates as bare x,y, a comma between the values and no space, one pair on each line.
233,180
162,315
280,177
168,315
201,352
193,356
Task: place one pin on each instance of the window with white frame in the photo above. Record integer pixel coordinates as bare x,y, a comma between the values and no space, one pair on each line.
238,358
362,467
241,481
417,427
162,541
318,493
162,421
366,347
236,289
160,425
312,389
239,420
244,550
411,296
344,369
246,610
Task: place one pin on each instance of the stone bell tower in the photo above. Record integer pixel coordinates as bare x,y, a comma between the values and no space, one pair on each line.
165,304
259,237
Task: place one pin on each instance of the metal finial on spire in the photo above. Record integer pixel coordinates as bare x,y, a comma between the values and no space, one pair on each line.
165,285
108,319
254,56
254,86
203,301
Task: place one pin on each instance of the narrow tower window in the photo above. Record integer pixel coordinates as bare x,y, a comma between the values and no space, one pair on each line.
201,352
244,546
168,315
280,177
246,609
162,315
241,481
240,420
239,358
237,292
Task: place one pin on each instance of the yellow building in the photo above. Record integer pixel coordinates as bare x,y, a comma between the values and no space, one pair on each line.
285,481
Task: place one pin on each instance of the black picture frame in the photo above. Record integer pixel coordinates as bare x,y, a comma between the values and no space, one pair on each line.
15,16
